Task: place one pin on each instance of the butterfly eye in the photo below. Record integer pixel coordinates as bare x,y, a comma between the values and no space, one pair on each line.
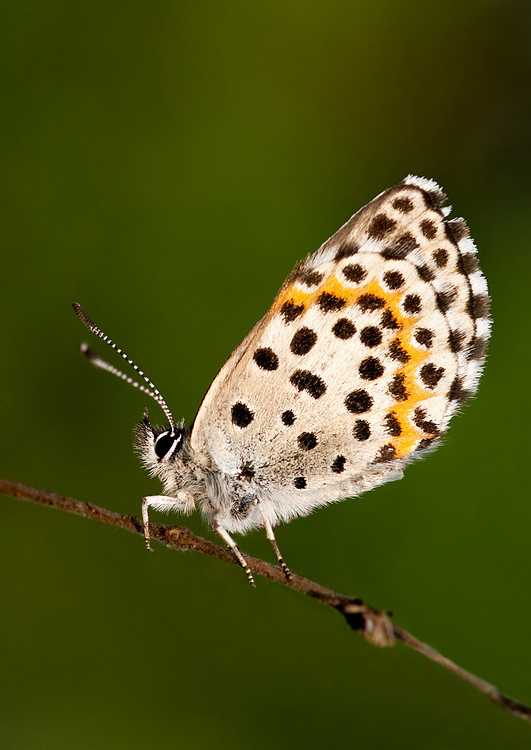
166,443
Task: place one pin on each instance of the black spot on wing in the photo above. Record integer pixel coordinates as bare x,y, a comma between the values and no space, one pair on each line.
386,453
266,359
430,375
338,465
404,205
308,277
359,401
303,341
344,329
397,352
440,256
370,302
241,415
362,430
287,417
370,368
392,424
397,387
330,302
307,441
412,304
393,279
290,311
380,226
424,336
428,228
304,380
354,273
389,321
370,336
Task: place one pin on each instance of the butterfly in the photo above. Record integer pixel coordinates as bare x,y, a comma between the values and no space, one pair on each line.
370,347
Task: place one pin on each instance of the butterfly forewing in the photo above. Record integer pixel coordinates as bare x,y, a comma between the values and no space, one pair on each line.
370,346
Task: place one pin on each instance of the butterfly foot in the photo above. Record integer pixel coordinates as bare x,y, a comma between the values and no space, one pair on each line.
241,562
147,537
271,536
250,578
287,572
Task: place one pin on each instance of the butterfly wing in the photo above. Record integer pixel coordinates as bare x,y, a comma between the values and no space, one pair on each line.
371,345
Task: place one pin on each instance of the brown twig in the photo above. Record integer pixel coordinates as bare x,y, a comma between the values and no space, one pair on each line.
375,625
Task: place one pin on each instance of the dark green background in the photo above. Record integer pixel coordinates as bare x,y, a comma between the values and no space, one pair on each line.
166,164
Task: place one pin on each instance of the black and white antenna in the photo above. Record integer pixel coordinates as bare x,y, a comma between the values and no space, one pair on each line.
98,361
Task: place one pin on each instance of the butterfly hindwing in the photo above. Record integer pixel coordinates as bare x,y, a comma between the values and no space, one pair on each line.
370,346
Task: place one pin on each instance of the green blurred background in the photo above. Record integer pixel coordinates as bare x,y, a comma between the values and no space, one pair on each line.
166,164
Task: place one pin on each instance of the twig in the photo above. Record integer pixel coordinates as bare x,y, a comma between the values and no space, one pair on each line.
375,625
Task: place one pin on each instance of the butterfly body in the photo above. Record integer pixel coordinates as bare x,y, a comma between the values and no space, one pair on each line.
371,345
238,500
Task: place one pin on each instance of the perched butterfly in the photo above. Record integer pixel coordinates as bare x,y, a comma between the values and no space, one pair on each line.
371,345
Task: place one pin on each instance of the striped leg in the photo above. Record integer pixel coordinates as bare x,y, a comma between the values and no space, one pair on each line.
271,536
229,541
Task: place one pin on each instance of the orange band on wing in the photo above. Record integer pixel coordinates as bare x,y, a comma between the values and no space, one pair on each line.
410,434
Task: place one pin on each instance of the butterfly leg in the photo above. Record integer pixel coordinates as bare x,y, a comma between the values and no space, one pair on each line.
271,536
164,504
229,541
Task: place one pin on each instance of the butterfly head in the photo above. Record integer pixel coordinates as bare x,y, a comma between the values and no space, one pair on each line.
161,449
